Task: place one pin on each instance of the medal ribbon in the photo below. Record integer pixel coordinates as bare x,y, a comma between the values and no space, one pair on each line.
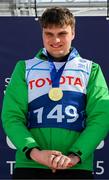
56,75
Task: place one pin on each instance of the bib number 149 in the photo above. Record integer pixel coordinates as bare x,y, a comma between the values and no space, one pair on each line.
56,113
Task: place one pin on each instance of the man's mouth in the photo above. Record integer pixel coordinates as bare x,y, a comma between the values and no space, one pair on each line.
56,46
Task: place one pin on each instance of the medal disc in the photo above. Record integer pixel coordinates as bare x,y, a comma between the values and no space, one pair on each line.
55,94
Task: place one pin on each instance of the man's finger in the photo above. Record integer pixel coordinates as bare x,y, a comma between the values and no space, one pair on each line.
51,159
53,170
55,161
70,164
56,153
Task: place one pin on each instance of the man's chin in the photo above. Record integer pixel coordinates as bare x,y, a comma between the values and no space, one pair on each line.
56,55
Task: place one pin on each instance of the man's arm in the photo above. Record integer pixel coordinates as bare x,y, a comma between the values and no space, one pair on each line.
97,112
15,108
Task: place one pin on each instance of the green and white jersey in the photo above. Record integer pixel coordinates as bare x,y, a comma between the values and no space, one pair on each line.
26,86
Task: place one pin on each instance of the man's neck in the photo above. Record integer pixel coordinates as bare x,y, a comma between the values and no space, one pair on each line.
60,59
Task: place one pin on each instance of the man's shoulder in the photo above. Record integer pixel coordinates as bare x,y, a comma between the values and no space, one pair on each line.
90,62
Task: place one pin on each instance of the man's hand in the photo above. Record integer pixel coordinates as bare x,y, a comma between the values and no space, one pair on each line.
60,162
54,159
74,159
63,162
44,157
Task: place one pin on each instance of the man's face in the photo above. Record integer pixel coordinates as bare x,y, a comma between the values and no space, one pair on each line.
57,40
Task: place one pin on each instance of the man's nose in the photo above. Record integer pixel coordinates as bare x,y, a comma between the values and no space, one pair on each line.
56,39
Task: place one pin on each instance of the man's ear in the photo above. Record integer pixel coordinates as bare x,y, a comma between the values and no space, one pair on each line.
73,34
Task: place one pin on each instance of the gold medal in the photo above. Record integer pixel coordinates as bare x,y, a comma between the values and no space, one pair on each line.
55,94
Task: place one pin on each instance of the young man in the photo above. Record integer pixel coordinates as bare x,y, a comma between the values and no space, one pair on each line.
55,108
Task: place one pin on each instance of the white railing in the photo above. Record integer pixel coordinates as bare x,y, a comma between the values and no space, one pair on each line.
27,7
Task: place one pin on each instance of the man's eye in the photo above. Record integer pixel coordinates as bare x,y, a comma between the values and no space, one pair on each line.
63,34
49,35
